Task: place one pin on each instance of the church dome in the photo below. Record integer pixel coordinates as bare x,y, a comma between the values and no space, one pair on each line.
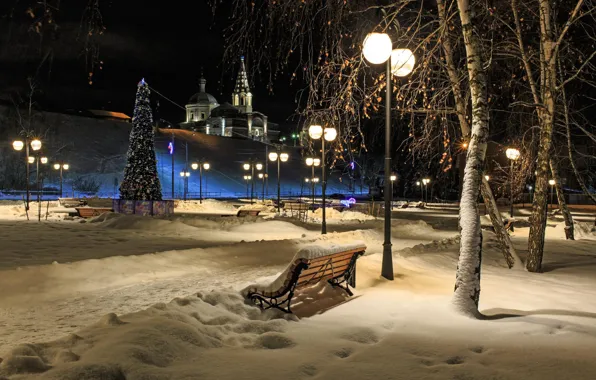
225,110
202,98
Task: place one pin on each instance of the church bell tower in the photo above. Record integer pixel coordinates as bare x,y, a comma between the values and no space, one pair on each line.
242,97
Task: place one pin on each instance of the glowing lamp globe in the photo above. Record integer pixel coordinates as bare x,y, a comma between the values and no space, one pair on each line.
315,131
65,166
194,166
18,145
393,177
307,180
273,156
310,161
36,144
284,157
246,166
330,134
30,159
377,48
44,160
512,154
206,166
316,161
259,166
486,177
181,174
402,62
417,183
56,166
260,175
551,182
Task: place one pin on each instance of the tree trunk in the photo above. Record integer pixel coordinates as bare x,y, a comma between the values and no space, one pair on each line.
513,260
570,148
569,235
546,117
467,281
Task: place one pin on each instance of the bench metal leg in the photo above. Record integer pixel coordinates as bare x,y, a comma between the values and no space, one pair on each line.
283,301
348,278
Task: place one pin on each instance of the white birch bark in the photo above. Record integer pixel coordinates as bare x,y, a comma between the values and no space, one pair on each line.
467,283
507,248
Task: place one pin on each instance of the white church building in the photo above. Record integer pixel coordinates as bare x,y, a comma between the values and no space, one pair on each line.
204,114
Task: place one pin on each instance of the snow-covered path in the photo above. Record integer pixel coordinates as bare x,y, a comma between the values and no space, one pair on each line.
124,265
137,313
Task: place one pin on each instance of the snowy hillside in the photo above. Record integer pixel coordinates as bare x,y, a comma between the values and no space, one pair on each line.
96,151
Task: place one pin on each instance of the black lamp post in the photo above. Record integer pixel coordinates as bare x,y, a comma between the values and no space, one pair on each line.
18,145
378,49
279,157
61,166
328,134
200,165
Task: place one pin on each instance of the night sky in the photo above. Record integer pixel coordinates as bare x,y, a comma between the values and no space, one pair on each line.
167,45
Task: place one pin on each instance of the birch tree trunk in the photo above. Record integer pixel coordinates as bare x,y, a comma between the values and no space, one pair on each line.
513,260
467,282
509,252
546,117
569,234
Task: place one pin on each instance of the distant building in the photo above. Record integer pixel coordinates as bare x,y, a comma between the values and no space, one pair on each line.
205,115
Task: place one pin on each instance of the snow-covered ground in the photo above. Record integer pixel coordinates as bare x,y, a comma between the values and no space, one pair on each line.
125,297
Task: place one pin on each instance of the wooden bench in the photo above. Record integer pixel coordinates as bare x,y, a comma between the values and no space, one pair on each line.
299,210
89,212
72,202
338,269
243,213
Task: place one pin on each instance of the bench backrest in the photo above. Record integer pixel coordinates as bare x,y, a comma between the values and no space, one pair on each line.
327,267
297,206
248,212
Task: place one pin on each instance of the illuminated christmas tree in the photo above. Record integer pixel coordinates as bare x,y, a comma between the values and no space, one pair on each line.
140,175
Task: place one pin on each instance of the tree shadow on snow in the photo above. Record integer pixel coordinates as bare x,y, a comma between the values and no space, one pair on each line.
496,314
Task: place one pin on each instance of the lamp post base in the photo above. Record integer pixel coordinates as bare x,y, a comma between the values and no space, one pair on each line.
387,266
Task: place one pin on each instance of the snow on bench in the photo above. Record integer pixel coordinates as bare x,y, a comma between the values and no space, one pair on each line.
312,264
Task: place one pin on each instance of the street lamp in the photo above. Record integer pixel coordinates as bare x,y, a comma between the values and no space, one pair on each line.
36,144
279,157
329,134
18,145
512,154
393,179
61,166
487,177
247,178
312,162
419,184
377,49
251,166
200,165
551,182
185,174
262,177
425,182
43,160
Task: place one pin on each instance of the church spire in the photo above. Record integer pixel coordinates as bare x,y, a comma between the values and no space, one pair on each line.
242,97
